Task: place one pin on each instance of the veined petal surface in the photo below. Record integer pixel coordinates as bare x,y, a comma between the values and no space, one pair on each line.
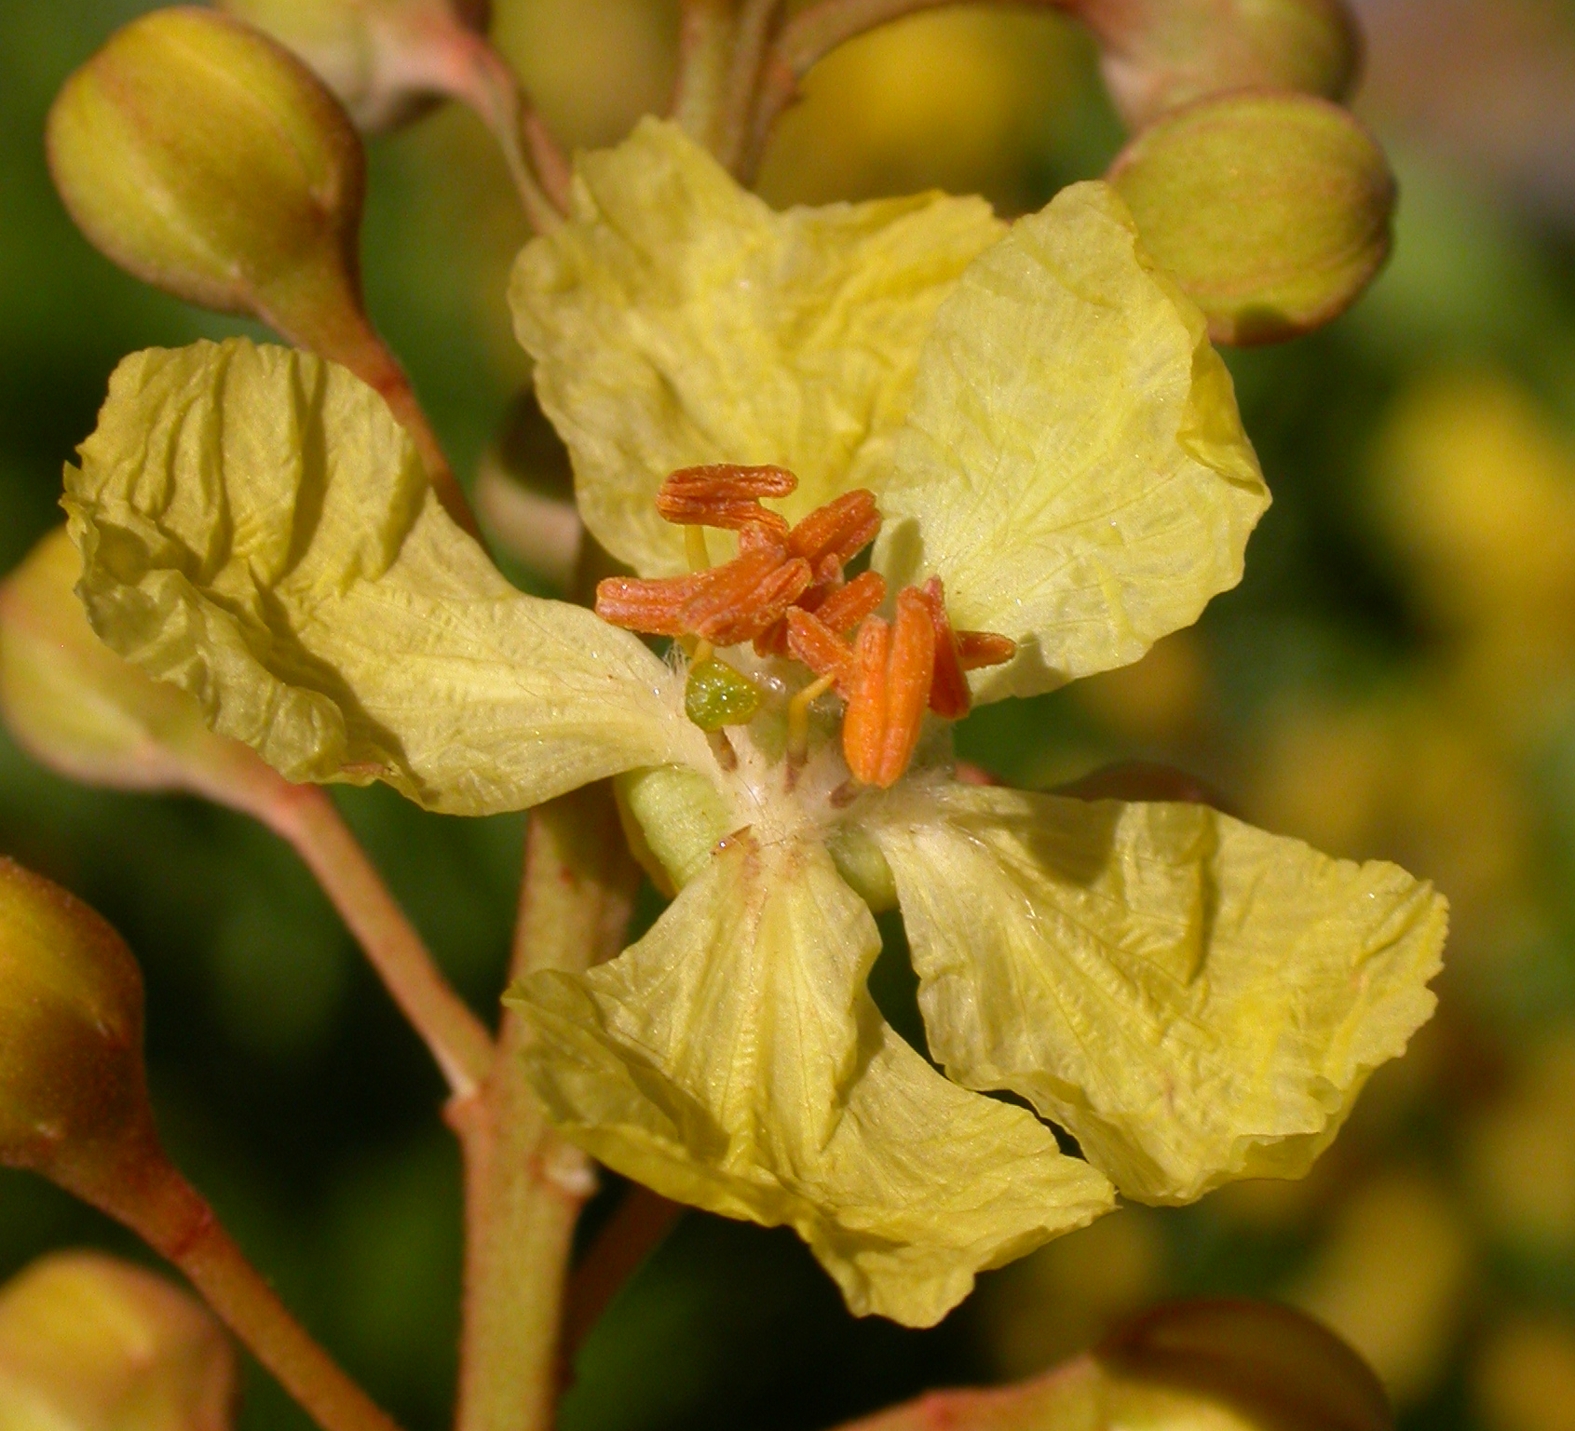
1194,999
1073,464
732,1059
257,529
677,319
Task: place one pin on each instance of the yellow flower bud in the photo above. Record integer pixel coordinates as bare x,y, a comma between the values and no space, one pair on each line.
72,1093
1161,54
1249,1365
1190,1366
207,160
91,1343
88,714
377,56
1271,210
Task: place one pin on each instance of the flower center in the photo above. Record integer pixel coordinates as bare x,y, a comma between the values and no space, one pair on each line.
787,593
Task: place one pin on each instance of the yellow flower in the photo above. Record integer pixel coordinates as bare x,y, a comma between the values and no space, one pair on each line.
1042,423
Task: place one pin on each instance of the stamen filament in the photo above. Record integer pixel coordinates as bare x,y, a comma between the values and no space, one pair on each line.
798,717
695,549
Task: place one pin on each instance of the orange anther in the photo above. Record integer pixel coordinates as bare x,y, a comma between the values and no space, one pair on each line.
984,648
727,604
814,643
654,607
740,599
893,667
840,606
845,606
950,697
864,725
724,495
841,529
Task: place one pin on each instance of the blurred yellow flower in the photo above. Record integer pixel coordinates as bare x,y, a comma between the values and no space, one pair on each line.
1393,1279
1476,486
1524,1378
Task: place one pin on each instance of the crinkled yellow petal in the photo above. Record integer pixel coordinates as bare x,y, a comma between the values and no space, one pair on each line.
732,1059
677,319
257,529
1073,464
1194,999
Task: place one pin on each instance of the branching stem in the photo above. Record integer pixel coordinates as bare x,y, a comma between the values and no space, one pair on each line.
705,57
306,817
152,1198
634,1231
757,24
468,67
524,1184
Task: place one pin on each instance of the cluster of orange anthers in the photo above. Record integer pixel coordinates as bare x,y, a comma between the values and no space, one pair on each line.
786,591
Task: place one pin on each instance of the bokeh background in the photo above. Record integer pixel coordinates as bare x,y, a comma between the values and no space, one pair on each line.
1395,677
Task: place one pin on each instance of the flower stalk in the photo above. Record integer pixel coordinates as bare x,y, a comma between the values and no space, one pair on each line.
706,33
150,1196
304,816
467,66
524,1184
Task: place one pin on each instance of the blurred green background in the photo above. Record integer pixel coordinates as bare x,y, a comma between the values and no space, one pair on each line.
1395,677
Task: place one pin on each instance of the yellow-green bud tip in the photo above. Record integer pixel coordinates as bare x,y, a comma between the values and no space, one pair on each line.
208,161
1161,54
1271,210
95,1344
86,713
71,1079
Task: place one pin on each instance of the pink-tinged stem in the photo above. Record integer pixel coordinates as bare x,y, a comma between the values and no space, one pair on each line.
153,1199
705,54
524,1184
306,817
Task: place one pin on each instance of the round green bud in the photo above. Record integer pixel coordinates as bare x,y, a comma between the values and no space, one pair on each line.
382,58
91,1343
1271,210
1253,1365
71,1081
87,713
209,161
1158,55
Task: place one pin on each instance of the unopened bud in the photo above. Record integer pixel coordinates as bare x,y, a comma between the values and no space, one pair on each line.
384,59
210,162
207,160
1271,210
1191,1366
91,1343
72,1092
1158,55
89,714
1244,1364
